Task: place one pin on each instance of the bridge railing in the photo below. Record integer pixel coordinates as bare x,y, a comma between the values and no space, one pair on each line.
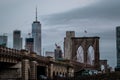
8,50
21,54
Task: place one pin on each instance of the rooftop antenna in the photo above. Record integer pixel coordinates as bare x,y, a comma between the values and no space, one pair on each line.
36,13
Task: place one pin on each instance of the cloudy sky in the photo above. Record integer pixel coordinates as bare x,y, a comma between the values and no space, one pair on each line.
98,17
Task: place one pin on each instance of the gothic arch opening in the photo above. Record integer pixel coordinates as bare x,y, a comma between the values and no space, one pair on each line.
102,67
80,54
90,55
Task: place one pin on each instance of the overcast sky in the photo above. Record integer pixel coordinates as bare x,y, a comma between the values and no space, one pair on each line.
98,17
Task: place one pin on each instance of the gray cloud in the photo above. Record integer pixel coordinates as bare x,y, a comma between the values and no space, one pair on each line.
105,9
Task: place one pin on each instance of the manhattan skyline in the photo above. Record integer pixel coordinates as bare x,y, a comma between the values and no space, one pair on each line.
97,17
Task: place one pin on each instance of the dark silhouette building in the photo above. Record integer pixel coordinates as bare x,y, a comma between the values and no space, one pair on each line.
17,40
3,40
58,52
118,48
29,44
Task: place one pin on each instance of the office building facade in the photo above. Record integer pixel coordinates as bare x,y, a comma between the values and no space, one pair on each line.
58,53
17,40
50,54
118,47
3,40
29,44
36,34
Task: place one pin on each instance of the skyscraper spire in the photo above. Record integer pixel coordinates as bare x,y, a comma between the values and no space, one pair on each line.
36,13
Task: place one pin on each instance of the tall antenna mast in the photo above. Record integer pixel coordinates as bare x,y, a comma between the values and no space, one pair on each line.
36,13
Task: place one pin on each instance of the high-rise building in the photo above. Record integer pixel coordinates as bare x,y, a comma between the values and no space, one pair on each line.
118,48
17,40
36,34
29,44
50,53
58,52
3,40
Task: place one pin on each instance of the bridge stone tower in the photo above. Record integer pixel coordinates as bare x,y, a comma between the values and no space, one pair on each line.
72,44
68,44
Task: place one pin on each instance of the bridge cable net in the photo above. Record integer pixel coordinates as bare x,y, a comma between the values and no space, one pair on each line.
80,56
90,56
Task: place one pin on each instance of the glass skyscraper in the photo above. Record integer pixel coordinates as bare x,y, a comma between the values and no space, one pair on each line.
29,44
17,40
118,47
36,34
3,40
